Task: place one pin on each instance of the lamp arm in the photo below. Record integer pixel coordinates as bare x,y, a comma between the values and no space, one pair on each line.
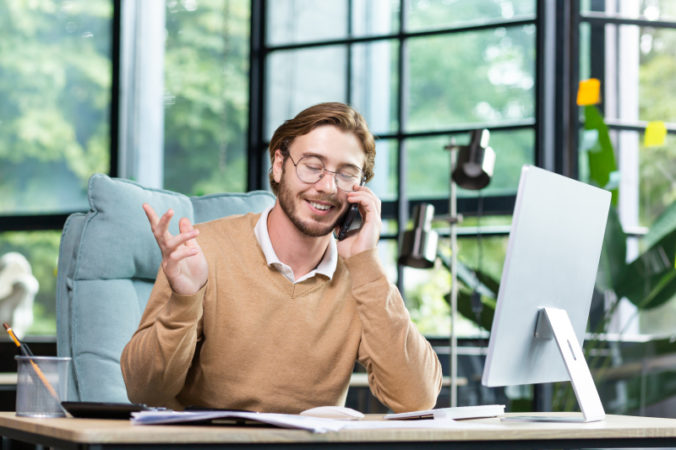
467,276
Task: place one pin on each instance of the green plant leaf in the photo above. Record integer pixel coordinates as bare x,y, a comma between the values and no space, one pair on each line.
613,255
480,282
601,155
664,225
650,280
485,317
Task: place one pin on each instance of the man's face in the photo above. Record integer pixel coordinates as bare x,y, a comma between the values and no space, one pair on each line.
315,208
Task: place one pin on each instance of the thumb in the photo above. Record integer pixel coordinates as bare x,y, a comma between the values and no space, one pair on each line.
184,225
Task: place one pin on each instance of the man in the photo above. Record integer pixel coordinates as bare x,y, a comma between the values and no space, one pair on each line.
268,312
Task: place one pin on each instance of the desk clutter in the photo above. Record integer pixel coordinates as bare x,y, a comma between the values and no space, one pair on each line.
320,419
295,421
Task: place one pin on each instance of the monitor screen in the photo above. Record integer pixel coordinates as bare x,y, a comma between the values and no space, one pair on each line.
552,258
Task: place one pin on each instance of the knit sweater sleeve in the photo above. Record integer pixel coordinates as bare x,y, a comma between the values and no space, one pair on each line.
403,369
156,360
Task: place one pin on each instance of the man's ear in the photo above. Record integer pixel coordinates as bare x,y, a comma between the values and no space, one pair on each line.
278,166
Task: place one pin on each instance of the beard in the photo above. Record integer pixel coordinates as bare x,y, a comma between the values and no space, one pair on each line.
310,228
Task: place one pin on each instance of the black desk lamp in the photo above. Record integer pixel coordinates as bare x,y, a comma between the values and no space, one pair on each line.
472,169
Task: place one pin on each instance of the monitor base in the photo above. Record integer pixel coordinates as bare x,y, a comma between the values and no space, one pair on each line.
555,323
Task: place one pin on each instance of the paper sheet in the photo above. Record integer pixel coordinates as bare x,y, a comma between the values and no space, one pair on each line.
313,424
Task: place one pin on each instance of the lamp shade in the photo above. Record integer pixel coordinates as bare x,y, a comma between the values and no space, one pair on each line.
418,247
475,162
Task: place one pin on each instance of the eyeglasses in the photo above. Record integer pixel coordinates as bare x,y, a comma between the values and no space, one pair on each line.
310,169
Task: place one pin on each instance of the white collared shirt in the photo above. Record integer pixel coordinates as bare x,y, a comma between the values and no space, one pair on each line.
326,267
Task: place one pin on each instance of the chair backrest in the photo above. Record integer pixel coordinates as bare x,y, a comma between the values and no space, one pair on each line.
108,261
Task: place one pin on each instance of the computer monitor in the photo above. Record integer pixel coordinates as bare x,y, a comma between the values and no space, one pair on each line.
546,287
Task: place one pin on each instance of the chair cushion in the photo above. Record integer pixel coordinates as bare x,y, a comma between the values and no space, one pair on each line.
108,261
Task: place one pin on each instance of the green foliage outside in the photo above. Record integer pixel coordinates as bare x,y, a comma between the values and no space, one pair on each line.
207,96
55,79
54,115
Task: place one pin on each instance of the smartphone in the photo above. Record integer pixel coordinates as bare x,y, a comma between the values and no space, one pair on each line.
348,218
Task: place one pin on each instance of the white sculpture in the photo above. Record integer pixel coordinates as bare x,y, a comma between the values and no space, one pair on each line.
18,287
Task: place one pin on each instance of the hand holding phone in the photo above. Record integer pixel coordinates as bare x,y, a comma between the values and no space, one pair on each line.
348,218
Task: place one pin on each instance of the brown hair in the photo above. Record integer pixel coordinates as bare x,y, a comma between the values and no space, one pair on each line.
337,114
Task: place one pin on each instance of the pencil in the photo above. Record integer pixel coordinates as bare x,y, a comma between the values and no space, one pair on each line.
27,352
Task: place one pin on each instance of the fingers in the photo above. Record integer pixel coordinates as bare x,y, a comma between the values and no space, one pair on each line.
150,214
181,253
184,225
169,243
367,200
159,226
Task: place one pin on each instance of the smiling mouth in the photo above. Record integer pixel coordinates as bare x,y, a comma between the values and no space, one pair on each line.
320,206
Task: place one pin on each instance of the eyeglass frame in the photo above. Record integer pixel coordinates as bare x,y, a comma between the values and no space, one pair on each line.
335,173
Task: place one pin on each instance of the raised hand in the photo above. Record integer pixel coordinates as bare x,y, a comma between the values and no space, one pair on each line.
368,235
183,261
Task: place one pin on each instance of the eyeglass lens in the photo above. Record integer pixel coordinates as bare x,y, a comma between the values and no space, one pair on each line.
310,169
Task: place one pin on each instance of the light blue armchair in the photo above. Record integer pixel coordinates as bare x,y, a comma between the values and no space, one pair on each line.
108,260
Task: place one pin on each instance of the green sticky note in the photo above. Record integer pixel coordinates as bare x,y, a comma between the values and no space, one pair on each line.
655,134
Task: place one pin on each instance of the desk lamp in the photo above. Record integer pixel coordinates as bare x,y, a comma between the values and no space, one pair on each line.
472,169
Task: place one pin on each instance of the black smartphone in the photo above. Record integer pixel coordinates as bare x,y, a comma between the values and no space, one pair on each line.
348,218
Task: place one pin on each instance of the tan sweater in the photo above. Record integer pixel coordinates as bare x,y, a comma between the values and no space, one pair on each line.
250,339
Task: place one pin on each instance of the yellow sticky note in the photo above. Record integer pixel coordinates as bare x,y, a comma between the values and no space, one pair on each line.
589,92
655,134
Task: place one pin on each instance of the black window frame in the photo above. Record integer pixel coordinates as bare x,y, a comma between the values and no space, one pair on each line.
400,209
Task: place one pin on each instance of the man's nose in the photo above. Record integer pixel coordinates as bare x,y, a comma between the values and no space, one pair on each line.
327,183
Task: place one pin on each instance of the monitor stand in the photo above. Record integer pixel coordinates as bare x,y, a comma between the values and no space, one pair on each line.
555,323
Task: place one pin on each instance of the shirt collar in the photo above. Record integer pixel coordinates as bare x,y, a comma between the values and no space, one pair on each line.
327,266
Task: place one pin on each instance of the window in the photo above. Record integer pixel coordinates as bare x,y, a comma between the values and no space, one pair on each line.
421,72
55,85
183,111
185,75
206,101
628,45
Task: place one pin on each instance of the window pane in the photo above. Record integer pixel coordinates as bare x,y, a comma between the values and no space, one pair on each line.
384,182
636,9
435,14
485,76
657,189
646,177
427,167
387,251
206,104
55,81
657,74
427,291
424,290
375,17
428,164
41,250
639,83
293,21
301,78
374,84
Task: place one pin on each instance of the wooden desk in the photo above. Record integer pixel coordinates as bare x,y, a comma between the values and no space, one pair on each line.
69,433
